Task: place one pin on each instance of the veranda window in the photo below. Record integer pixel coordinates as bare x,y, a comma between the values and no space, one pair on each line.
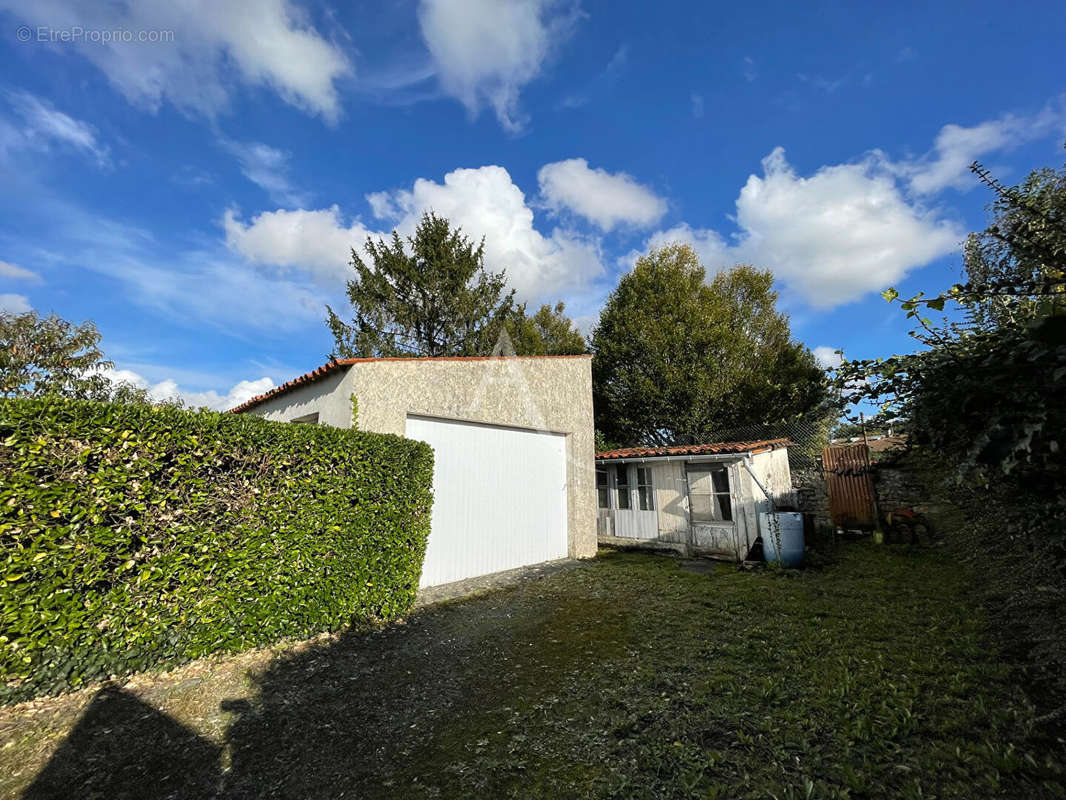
709,494
602,490
645,490
621,485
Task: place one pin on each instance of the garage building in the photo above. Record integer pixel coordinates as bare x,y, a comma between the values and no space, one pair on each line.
513,441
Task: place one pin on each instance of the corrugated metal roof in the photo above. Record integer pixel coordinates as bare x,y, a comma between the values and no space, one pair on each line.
343,363
713,448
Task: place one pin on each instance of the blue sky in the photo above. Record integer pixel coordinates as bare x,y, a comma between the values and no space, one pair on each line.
195,189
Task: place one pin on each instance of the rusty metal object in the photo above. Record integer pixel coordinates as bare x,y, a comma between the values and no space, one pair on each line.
851,491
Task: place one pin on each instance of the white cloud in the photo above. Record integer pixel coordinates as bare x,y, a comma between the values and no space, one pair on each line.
16,273
839,233
709,245
315,241
604,198
697,105
191,285
827,357
832,237
485,202
15,303
169,389
957,146
381,205
267,168
487,50
41,126
205,48
853,228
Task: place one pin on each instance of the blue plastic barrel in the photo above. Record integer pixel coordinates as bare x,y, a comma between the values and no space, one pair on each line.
785,527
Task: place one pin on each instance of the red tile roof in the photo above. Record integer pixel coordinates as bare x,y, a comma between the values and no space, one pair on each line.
343,363
715,448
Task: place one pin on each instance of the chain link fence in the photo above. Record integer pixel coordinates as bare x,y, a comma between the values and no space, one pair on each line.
809,435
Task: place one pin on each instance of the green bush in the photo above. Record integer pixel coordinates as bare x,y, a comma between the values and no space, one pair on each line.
137,537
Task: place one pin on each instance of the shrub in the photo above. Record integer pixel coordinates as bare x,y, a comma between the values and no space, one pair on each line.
137,537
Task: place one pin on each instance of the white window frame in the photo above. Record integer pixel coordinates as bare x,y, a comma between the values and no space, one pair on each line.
605,488
621,488
727,470
645,490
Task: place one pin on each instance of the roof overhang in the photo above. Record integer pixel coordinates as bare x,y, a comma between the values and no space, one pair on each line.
716,451
690,459
340,364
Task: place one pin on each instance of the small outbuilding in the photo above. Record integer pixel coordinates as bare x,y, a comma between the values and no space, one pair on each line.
513,441
700,499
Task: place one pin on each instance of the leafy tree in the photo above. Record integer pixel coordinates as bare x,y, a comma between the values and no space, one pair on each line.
676,359
432,298
52,356
549,332
1024,248
880,424
988,394
985,400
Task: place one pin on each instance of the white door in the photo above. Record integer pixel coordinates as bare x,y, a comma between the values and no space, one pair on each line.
712,505
635,516
499,498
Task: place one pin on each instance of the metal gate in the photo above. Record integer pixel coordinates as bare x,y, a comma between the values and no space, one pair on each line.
851,490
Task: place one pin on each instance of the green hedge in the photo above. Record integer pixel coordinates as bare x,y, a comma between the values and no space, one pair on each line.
137,537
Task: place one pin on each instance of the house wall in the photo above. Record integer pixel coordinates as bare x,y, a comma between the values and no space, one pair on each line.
773,472
546,394
326,397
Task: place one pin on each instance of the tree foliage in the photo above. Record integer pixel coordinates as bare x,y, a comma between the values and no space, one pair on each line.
676,358
42,356
549,332
1014,265
989,392
433,297
985,400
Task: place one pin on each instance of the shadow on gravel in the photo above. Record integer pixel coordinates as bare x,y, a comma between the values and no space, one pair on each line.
124,748
374,714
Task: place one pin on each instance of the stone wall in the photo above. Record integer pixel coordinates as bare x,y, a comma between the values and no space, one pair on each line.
812,497
897,485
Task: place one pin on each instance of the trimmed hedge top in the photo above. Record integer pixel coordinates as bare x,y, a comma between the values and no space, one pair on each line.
137,537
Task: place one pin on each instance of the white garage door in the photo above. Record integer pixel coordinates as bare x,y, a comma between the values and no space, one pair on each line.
499,498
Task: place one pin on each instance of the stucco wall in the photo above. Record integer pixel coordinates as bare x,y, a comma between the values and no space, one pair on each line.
549,394
328,397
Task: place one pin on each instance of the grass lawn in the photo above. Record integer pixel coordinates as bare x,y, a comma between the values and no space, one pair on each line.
626,678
